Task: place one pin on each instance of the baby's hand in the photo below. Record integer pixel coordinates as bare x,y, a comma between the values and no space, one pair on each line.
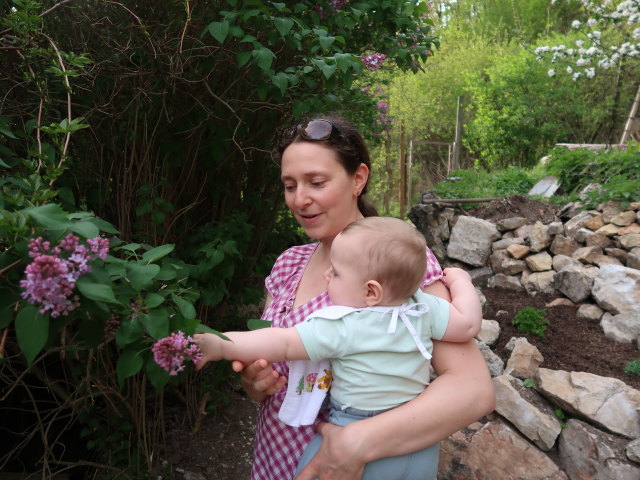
209,345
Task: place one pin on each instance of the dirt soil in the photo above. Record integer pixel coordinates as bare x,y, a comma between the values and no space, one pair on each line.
222,448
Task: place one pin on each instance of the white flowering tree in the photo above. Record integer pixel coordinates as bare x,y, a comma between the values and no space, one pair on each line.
610,42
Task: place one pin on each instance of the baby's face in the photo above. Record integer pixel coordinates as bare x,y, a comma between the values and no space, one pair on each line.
346,278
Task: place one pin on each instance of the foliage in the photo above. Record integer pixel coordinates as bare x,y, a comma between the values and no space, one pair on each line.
633,367
513,181
525,21
616,170
478,183
518,112
531,320
527,382
560,415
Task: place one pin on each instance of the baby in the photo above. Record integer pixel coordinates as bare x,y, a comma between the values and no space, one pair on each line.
377,267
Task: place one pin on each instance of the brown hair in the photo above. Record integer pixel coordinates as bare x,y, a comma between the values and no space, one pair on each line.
395,251
348,144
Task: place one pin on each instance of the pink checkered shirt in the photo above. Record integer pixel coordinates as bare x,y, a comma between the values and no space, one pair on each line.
278,447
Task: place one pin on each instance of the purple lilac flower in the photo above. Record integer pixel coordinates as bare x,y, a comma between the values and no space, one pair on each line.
338,4
382,107
50,284
50,279
374,61
171,352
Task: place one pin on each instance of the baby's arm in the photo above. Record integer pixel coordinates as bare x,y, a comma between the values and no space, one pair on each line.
271,344
465,312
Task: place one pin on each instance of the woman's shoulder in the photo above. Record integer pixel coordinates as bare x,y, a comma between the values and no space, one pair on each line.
298,254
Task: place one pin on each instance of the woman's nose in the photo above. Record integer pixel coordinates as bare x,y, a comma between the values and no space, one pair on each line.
301,199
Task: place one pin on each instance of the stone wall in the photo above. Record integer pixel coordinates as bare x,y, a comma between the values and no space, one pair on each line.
592,258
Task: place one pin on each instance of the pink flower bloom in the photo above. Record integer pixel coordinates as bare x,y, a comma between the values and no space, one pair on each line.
50,279
173,351
374,61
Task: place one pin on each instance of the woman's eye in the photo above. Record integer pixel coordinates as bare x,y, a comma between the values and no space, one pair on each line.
289,188
319,183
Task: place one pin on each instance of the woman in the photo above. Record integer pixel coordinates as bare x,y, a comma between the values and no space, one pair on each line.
325,169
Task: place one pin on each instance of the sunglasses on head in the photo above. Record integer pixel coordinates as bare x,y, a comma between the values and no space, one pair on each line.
318,130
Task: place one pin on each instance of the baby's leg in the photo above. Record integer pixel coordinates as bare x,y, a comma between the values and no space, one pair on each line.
420,465
309,452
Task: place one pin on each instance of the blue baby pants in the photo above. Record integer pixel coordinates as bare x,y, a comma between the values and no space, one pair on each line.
420,465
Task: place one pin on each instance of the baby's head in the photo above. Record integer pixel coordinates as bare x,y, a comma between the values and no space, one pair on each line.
376,260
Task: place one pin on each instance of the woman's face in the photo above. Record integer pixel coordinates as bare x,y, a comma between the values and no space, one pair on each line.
318,190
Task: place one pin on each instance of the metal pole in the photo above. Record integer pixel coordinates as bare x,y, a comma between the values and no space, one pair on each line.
456,144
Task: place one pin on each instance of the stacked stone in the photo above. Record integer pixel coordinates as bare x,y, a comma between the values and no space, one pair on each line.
593,259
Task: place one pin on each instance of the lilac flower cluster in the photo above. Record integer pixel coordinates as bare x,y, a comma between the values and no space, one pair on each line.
384,122
50,278
172,352
336,6
374,61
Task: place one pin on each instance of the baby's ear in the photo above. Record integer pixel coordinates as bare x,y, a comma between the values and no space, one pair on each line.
374,293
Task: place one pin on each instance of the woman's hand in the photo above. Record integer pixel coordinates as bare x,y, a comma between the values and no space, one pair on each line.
258,379
339,457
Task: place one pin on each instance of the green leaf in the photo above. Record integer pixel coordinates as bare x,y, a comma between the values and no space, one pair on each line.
144,207
141,275
167,272
299,108
5,129
129,363
156,322
85,229
186,308
32,330
152,300
104,225
128,332
219,30
255,324
158,252
327,70
156,374
281,81
345,61
326,42
263,57
242,58
49,216
283,25
132,247
96,291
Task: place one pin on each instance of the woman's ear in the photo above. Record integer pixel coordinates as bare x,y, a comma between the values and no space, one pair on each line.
360,178
374,293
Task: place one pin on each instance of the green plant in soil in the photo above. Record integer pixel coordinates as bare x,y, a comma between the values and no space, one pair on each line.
633,367
531,320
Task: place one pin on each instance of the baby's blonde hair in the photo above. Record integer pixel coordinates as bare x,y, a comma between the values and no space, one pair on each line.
394,252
